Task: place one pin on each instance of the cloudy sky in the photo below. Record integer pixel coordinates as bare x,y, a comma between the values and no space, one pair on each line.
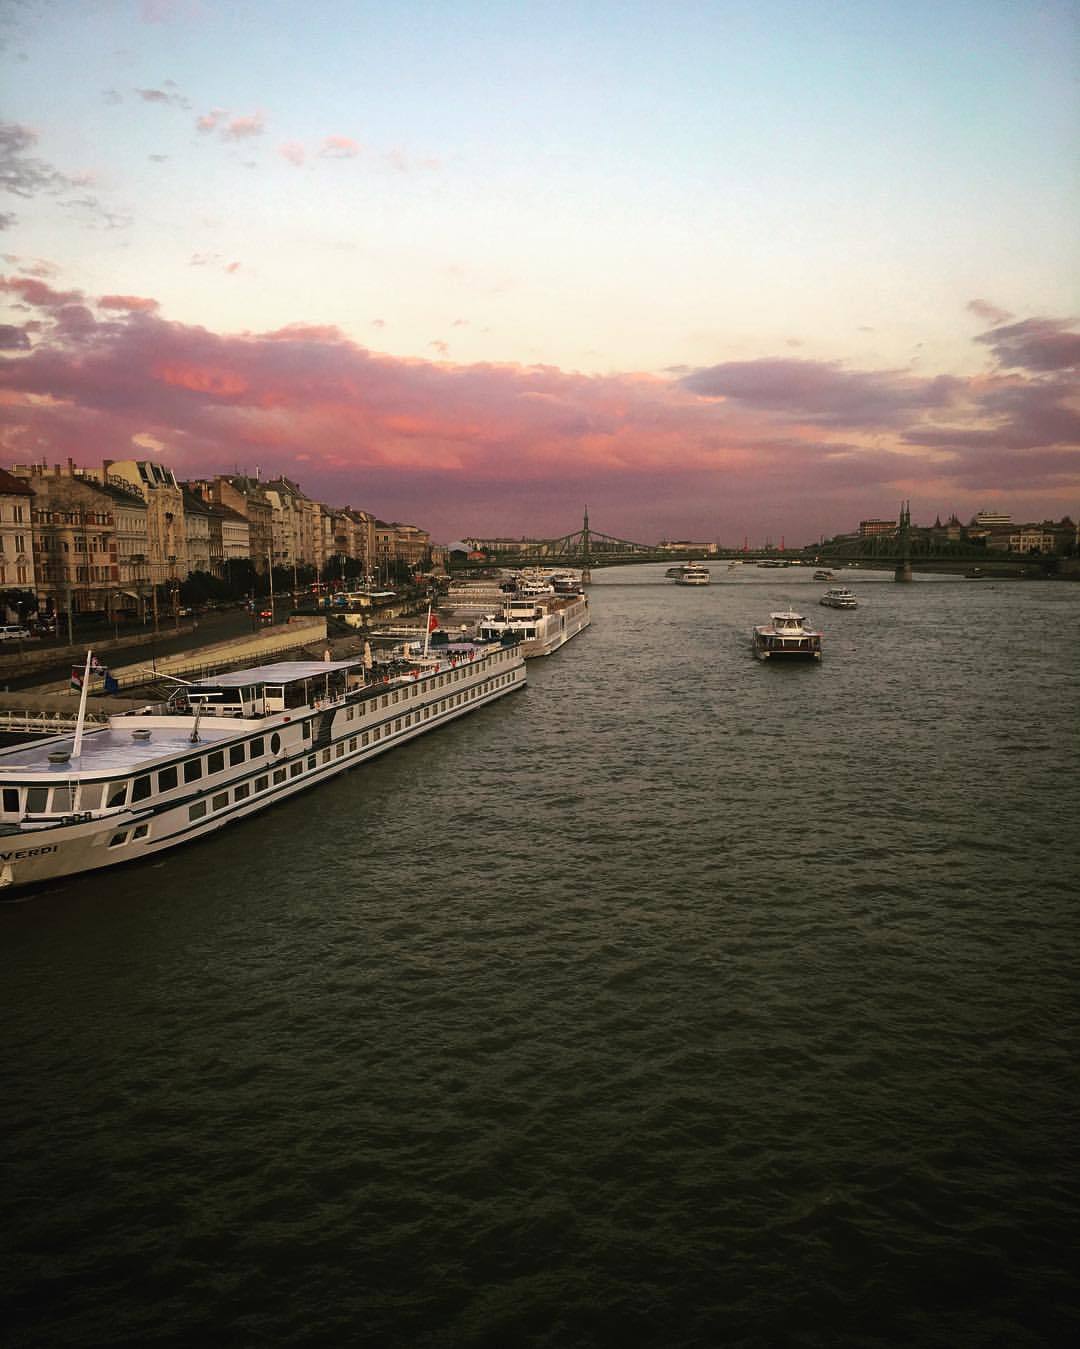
713,267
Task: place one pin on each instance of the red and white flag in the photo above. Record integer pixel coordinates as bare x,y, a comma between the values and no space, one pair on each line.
432,622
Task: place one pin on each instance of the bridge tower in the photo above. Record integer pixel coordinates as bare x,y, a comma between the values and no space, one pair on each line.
903,566
586,572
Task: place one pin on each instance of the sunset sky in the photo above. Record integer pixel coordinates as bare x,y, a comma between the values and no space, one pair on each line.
744,267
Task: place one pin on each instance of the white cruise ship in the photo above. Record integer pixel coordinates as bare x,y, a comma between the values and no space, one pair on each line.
692,574
540,623
220,750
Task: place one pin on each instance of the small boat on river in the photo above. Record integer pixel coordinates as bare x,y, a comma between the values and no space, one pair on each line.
786,637
692,574
840,597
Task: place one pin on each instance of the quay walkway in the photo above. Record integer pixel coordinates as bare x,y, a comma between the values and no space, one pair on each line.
52,709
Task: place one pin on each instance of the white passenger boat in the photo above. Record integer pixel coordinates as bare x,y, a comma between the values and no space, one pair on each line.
221,749
786,637
839,597
692,574
541,624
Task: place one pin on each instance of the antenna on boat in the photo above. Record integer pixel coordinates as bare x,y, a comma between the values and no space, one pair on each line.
76,748
160,674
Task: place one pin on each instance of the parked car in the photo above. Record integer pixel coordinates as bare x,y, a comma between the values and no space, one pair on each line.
11,633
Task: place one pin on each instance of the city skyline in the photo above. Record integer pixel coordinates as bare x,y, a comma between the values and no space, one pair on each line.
727,269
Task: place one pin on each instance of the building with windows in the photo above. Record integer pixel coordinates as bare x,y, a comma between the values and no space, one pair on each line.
285,500
396,543
164,497
17,573
235,534
74,542
502,545
688,546
869,528
354,539
1050,536
197,527
247,497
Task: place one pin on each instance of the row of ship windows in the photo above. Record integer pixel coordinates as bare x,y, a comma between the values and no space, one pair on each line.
198,810
413,691
38,802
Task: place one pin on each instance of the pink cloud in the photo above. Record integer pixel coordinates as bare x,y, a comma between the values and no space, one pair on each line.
240,128
783,444
231,128
1035,344
339,147
37,293
13,338
990,313
293,151
129,303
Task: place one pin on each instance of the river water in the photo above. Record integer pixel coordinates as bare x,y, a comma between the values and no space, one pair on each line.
678,1000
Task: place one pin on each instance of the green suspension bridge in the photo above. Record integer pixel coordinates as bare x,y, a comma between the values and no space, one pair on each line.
588,548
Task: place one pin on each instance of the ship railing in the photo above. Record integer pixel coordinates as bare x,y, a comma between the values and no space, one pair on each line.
46,723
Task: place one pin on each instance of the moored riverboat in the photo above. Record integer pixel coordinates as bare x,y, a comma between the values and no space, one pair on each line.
786,637
222,749
541,624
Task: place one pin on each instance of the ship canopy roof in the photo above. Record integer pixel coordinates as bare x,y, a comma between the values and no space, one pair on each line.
281,672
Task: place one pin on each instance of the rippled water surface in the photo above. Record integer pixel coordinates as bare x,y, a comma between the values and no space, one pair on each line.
678,1000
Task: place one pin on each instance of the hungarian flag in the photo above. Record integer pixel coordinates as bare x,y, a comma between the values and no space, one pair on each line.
432,622
96,669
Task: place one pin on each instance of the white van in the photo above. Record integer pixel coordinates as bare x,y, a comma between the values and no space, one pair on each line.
13,634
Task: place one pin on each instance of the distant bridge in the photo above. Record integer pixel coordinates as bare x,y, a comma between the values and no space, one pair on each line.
588,548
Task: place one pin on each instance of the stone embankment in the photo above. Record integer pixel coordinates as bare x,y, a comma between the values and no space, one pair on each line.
299,636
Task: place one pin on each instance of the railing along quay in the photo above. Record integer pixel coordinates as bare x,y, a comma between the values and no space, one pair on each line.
190,673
